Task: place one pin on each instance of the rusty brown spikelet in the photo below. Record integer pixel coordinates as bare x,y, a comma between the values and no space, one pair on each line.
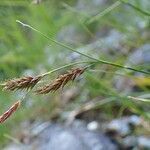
10,111
21,83
61,81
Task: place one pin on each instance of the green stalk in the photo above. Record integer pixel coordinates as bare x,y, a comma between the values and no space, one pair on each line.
68,65
136,8
103,13
139,99
85,55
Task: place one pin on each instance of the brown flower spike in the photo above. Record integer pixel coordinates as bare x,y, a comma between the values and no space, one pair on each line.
61,81
21,83
10,111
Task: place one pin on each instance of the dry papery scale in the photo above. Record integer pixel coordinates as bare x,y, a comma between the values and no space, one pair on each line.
27,82
10,111
61,81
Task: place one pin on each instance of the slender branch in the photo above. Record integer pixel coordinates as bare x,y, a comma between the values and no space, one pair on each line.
136,8
110,72
74,10
95,103
103,13
85,55
68,65
139,99
13,139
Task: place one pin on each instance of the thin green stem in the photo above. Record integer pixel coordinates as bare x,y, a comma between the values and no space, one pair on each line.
136,8
85,55
68,65
110,72
139,99
103,13
68,7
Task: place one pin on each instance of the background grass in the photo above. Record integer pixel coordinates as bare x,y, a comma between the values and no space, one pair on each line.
23,51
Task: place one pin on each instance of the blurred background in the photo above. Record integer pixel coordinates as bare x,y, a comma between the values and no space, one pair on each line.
106,107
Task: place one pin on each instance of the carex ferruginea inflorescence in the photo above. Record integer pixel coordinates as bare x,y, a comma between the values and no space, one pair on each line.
61,81
10,111
27,82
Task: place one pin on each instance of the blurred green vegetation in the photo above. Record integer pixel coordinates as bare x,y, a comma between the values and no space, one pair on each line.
23,50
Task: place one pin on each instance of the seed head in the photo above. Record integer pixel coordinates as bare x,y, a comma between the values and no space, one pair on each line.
10,111
61,81
27,82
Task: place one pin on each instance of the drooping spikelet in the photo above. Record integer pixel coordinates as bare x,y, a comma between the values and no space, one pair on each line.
21,83
10,111
61,81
